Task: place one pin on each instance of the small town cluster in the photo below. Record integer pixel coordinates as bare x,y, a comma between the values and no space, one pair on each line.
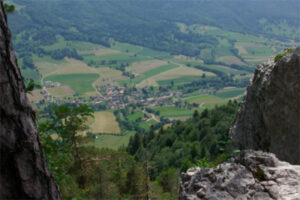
113,96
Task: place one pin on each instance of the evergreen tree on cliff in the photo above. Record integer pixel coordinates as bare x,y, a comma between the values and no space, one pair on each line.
23,169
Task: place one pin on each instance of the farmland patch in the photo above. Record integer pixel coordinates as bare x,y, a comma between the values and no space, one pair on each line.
105,122
112,141
80,83
230,93
230,60
154,72
181,71
141,67
61,91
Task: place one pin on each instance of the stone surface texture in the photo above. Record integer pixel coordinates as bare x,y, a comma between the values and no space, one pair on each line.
269,118
24,173
253,175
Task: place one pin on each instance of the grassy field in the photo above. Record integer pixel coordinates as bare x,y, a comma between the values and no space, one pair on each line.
179,75
154,72
142,67
125,47
112,141
220,68
181,71
80,83
61,91
135,115
179,81
98,52
48,66
230,60
154,54
230,93
220,98
172,111
105,122
109,75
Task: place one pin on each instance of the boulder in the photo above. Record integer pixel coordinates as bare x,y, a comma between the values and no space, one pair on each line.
251,175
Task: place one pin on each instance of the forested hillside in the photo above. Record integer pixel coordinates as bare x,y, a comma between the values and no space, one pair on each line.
200,141
153,24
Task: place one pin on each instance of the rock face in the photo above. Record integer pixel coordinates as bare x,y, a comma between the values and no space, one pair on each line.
23,169
252,175
269,118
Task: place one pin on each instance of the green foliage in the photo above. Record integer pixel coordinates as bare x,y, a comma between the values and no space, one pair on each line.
30,85
204,163
169,180
201,140
82,171
285,53
9,8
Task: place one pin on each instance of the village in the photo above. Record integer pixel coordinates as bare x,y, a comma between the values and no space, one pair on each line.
112,96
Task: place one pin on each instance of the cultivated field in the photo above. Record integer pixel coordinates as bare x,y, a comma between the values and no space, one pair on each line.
67,66
230,92
153,72
172,111
61,91
141,67
105,122
109,75
98,52
203,99
80,83
230,60
112,141
179,72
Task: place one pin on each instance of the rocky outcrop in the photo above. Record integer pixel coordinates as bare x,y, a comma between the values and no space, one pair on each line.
252,175
23,169
269,118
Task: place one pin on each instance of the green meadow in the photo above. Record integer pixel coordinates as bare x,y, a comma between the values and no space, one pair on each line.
112,141
172,111
80,83
230,93
154,72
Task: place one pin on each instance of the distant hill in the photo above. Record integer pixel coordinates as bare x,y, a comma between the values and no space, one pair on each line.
153,23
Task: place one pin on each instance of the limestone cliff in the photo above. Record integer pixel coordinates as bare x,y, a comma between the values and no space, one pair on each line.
269,118
252,175
23,169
